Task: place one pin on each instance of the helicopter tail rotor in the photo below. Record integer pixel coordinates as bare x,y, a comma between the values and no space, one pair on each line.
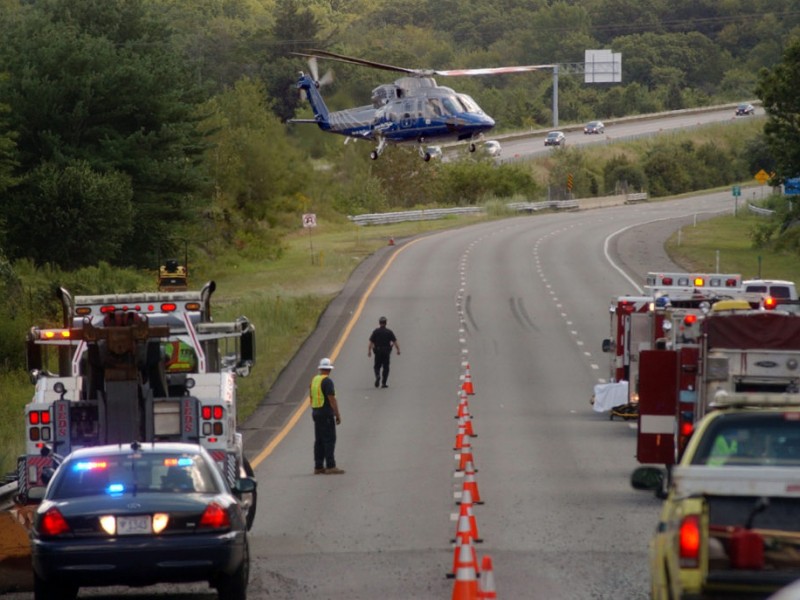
313,67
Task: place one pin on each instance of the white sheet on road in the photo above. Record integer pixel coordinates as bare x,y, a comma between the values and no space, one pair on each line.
609,395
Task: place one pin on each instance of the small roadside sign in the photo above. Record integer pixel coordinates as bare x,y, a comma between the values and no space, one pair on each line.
309,220
736,191
762,177
791,186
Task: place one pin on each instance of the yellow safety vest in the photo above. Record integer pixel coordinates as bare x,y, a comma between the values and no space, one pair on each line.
317,397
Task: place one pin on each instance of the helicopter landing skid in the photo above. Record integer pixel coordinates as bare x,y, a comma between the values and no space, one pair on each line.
379,150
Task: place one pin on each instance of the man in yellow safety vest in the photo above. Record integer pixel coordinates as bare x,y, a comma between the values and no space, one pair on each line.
325,411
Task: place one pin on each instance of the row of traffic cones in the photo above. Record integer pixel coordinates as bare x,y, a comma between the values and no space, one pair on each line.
465,557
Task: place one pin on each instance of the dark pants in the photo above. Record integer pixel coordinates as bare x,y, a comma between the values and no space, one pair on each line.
382,362
324,438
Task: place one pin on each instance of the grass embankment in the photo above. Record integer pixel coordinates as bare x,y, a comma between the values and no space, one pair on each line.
283,298
727,239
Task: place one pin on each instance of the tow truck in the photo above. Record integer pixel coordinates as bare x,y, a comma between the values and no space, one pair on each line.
146,367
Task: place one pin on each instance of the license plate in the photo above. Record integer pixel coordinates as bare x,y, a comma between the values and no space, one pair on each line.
138,525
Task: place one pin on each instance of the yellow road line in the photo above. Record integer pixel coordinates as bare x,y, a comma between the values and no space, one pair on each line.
269,448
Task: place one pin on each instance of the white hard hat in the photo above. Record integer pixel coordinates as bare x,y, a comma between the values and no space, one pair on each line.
325,363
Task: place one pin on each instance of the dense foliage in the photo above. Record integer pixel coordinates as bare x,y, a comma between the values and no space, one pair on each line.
131,128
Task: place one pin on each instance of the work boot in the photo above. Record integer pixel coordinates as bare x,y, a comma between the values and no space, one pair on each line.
334,471
319,471
377,381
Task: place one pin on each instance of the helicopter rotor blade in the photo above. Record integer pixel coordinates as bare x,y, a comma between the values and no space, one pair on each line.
313,68
355,61
492,70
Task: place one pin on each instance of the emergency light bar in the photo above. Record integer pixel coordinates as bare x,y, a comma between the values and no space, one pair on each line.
694,280
725,400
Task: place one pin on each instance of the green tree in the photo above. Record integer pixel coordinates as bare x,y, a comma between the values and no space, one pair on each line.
777,88
8,152
100,82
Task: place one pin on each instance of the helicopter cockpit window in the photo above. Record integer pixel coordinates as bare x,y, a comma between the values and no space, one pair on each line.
469,104
451,106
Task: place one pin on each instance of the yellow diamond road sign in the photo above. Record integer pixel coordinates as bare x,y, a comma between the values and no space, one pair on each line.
762,177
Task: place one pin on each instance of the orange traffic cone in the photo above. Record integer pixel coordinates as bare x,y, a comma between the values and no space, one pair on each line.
470,485
465,455
468,426
460,435
466,586
463,405
466,511
467,385
487,580
463,537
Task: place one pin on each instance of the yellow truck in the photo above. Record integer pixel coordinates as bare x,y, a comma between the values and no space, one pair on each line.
730,523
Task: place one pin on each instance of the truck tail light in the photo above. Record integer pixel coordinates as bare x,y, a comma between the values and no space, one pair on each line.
770,303
689,541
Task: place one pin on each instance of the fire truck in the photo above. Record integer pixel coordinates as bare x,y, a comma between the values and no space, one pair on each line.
145,367
729,349
637,323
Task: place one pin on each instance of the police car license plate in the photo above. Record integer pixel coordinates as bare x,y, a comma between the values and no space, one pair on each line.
133,525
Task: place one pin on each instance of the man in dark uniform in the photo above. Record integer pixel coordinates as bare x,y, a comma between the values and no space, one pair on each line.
381,343
325,411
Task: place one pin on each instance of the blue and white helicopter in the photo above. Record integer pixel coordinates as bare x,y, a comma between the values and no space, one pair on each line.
412,110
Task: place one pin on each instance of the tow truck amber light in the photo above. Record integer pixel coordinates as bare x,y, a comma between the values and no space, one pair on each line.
689,541
54,334
53,523
83,311
193,306
699,282
215,517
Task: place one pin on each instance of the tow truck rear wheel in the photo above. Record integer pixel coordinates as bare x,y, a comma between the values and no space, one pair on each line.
251,512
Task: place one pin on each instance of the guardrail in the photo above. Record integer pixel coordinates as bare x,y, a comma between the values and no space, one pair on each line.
7,492
637,197
439,213
761,212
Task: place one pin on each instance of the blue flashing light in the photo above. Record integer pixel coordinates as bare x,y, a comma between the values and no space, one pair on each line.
185,462
115,488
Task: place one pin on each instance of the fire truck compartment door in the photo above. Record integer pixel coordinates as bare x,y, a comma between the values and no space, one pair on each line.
658,397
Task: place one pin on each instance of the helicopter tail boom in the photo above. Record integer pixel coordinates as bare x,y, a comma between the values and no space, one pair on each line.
320,110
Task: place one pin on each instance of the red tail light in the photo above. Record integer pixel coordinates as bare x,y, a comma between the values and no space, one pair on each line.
770,303
53,523
686,429
690,319
689,541
215,517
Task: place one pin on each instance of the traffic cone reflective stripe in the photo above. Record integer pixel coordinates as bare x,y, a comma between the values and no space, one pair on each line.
470,485
468,426
487,590
467,385
466,585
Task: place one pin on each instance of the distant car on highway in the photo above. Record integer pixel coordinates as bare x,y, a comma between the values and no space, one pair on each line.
555,138
492,148
594,127
744,110
140,514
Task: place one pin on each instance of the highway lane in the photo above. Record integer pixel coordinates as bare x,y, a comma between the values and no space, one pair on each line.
525,302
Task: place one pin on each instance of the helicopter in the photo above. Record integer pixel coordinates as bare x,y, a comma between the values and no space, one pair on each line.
412,110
